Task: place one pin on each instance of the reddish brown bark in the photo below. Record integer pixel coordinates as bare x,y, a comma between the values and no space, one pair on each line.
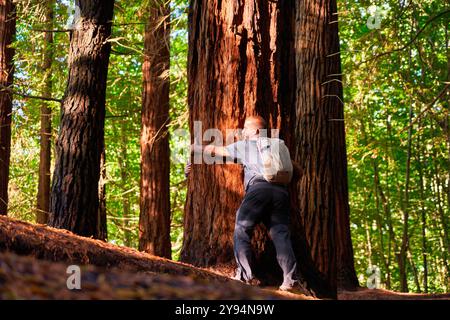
272,59
154,221
233,72
240,64
7,32
320,148
74,198
43,196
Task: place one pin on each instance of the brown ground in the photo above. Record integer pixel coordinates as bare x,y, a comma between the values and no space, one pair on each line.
29,278
34,260
381,294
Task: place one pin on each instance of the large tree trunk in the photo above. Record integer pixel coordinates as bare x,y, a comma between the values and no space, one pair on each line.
233,68
7,33
154,221
242,62
74,199
43,195
320,142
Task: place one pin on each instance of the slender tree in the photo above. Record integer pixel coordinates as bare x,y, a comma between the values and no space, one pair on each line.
102,229
43,195
124,178
154,222
7,33
74,198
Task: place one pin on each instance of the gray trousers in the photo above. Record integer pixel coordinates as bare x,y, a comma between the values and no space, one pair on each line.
267,203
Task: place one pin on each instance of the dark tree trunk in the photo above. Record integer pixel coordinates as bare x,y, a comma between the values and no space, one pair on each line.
241,63
154,221
7,33
74,198
320,142
43,196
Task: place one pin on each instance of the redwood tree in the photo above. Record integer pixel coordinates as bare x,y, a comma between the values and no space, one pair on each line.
322,191
7,32
43,196
244,59
74,198
154,221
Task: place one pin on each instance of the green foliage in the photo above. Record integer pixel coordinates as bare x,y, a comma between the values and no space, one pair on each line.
123,121
387,70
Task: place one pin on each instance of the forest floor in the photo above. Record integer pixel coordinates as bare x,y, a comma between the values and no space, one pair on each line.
34,261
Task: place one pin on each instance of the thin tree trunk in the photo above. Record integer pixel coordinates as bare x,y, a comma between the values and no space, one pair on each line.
378,217
74,198
102,231
154,220
7,33
443,227
405,207
43,195
386,198
423,214
124,175
377,190
423,220
414,269
447,116
369,242
442,216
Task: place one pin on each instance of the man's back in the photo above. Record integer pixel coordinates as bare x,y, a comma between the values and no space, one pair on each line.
246,153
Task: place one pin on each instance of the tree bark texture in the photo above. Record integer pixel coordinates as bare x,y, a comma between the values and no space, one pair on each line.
7,33
233,68
320,142
279,60
74,198
154,221
43,195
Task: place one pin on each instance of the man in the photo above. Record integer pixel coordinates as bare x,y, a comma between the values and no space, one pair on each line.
263,202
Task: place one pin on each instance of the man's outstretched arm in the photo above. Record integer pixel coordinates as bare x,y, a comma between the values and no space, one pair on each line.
210,150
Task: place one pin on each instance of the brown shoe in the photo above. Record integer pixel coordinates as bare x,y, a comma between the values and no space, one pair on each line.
297,288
